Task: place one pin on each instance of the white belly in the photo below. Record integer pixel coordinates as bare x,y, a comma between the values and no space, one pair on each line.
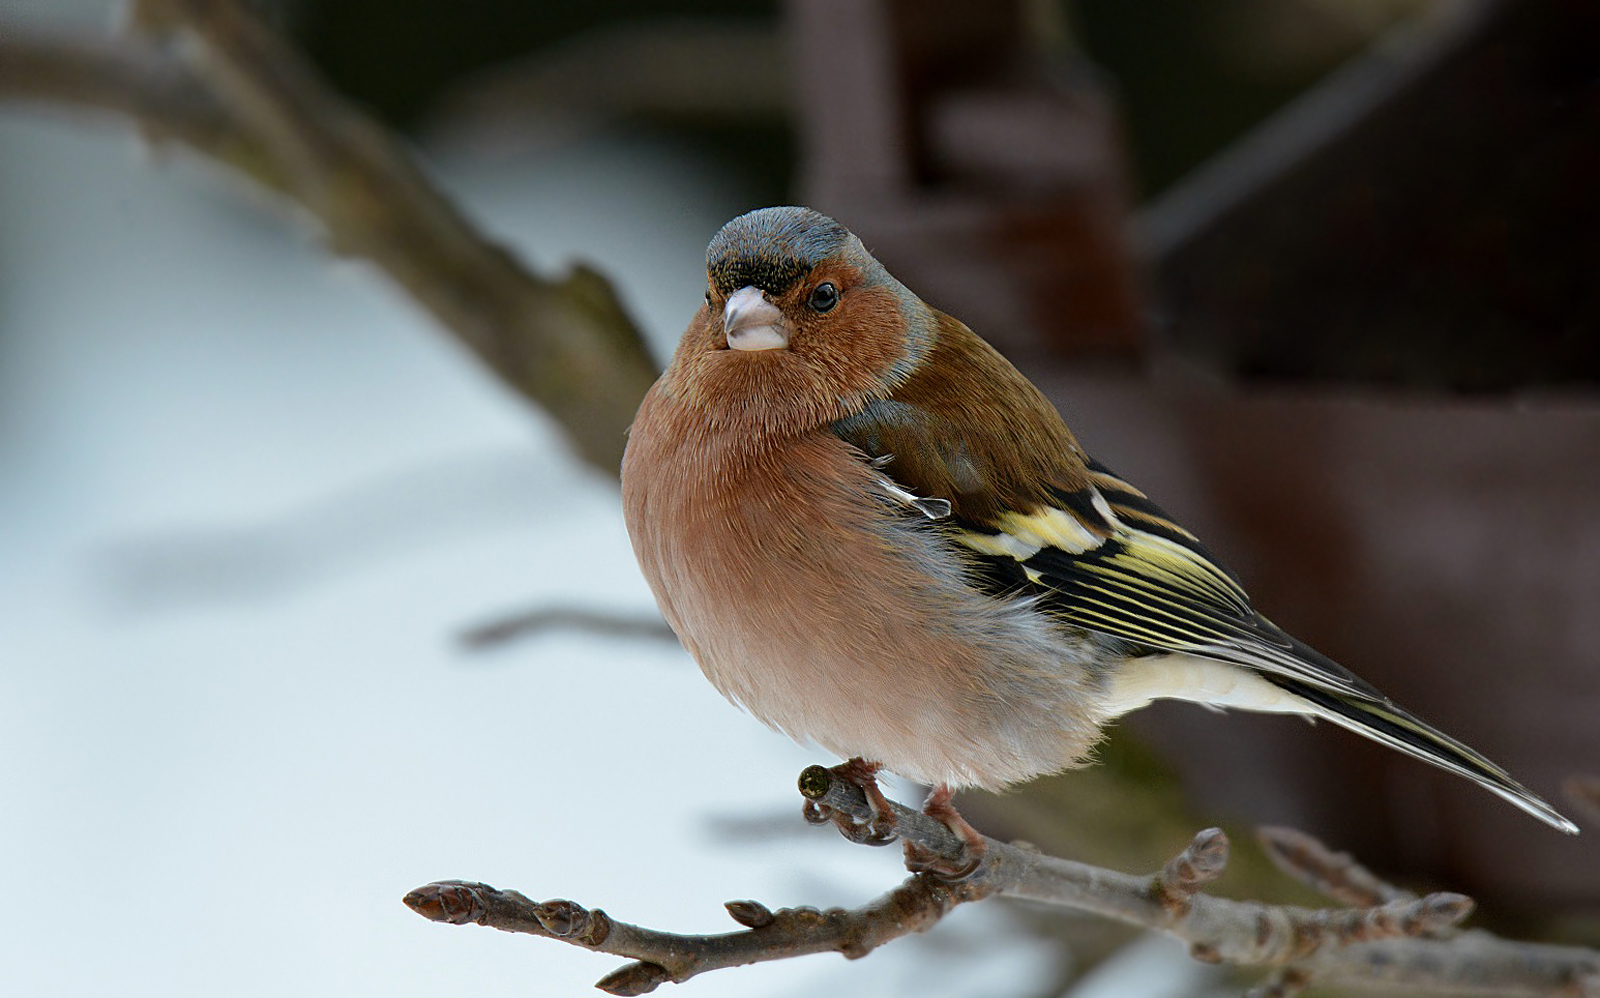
1198,680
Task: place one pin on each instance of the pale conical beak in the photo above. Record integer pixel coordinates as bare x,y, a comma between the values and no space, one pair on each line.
753,323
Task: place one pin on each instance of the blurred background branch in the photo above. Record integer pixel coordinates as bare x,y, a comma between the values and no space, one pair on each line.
542,620
235,91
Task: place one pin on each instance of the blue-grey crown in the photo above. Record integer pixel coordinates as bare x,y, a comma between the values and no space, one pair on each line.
772,248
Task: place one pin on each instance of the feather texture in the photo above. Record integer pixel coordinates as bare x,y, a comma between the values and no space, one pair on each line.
1106,559
882,537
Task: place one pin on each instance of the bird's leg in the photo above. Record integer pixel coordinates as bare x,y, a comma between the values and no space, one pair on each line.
920,860
877,830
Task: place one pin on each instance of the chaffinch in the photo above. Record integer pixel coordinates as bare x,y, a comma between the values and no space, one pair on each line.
876,535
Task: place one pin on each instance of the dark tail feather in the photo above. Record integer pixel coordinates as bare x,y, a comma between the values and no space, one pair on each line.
1387,724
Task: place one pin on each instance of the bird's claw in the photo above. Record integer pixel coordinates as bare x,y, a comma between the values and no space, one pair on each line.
880,828
872,832
923,860
963,864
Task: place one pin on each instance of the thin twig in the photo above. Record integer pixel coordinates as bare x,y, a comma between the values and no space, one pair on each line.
659,957
1399,943
1405,942
1201,862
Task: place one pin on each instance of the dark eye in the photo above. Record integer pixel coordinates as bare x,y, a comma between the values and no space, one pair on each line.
708,299
824,298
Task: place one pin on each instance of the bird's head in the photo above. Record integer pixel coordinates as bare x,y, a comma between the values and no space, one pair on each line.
800,327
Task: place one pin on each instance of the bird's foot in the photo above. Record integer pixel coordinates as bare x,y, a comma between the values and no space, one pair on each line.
877,830
963,864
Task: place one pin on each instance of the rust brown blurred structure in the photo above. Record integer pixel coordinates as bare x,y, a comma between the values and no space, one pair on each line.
956,141
1422,223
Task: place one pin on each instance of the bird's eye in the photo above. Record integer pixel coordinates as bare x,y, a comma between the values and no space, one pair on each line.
824,298
708,299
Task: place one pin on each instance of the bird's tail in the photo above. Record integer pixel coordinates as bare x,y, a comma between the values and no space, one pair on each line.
1387,724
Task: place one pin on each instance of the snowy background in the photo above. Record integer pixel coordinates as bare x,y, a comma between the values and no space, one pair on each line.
250,500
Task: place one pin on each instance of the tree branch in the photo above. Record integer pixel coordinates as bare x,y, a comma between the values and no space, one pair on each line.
1383,937
243,97
660,957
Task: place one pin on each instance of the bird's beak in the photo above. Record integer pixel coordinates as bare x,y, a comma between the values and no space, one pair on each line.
753,323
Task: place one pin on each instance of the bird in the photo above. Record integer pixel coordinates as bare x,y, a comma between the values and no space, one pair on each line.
877,536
